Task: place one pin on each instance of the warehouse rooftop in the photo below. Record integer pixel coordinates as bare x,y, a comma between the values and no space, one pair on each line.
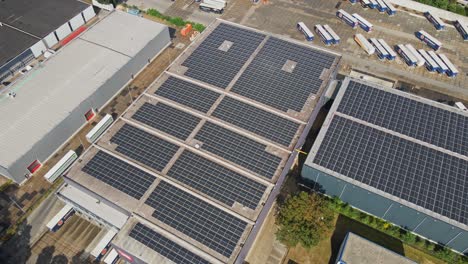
400,146
39,17
196,157
68,82
13,42
358,250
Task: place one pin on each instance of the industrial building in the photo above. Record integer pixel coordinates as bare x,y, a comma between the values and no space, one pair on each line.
190,170
358,250
41,111
397,156
28,28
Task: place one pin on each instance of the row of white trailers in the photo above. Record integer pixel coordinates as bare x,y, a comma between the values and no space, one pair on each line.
326,33
386,6
434,62
460,25
382,6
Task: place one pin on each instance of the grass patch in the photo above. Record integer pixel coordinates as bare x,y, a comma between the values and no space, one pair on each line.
409,239
449,5
327,250
5,186
176,21
12,229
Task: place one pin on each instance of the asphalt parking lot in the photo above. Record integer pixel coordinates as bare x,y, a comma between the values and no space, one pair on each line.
280,17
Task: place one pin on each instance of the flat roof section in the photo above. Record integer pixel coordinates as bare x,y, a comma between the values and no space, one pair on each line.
133,33
397,145
222,53
50,92
255,66
358,250
47,95
39,18
216,155
97,207
153,244
12,43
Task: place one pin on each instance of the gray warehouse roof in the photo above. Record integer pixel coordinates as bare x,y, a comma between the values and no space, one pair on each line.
358,250
39,17
13,42
25,22
47,95
400,146
197,155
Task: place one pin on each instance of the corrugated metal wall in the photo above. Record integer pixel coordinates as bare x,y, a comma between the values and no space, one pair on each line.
63,31
38,48
77,22
389,210
52,141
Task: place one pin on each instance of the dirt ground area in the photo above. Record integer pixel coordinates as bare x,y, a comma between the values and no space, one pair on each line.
266,248
280,17
67,244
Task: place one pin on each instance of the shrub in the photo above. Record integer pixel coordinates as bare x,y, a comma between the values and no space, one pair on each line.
176,21
409,238
199,27
450,5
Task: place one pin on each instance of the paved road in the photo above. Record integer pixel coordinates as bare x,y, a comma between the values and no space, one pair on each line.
405,75
280,16
42,215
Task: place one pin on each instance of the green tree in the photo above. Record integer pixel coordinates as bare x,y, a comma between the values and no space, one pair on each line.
452,8
303,219
442,4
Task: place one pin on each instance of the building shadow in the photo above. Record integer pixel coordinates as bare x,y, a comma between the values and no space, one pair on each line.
345,225
16,249
313,133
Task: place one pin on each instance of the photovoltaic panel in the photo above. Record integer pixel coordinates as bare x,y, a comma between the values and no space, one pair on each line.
196,218
188,94
210,64
256,120
239,149
167,119
144,147
421,175
265,81
409,117
119,174
216,181
164,246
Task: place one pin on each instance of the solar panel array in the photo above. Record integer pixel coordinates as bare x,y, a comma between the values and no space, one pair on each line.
239,149
167,119
164,246
196,218
206,192
256,120
216,181
119,174
220,67
405,147
188,94
265,81
416,173
144,147
418,120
